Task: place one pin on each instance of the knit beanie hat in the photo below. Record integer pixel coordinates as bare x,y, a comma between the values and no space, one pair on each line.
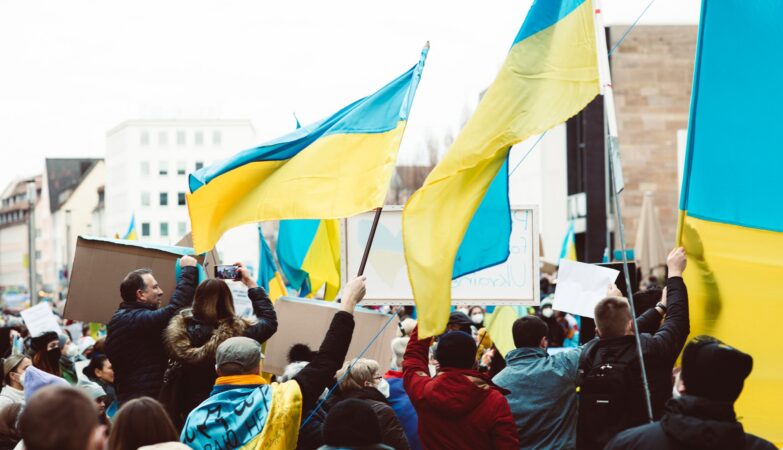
351,422
40,342
714,370
36,379
456,349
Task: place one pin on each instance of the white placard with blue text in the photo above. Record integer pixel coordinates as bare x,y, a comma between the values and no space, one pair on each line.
515,282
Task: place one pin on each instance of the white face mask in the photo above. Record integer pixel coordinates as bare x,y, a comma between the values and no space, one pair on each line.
72,351
383,387
21,380
547,312
477,318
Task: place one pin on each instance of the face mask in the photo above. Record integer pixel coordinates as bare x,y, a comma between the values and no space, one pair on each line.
477,318
383,387
547,312
72,351
53,356
21,379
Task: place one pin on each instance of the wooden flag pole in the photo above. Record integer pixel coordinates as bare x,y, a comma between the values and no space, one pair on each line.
369,240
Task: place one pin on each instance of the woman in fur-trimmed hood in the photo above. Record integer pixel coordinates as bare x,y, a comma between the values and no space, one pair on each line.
193,336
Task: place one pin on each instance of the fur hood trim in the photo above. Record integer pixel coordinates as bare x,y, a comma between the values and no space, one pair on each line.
179,346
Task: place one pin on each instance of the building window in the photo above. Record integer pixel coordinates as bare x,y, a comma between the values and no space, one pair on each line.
145,168
198,138
163,168
180,167
181,137
181,199
164,229
145,199
182,228
144,139
163,138
216,138
37,254
145,229
199,164
164,199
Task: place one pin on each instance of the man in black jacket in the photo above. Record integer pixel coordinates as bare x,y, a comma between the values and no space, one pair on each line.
611,395
703,416
135,332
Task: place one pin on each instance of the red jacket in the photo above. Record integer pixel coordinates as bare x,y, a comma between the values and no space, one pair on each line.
458,408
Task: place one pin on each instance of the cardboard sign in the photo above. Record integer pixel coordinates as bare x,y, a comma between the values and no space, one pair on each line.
211,259
304,321
581,286
39,319
100,265
242,305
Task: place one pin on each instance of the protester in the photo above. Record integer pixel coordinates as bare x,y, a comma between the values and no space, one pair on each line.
459,321
47,352
352,425
61,418
96,393
476,314
460,408
193,336
405,327
140,422
398,398
612,397
100,371
133,343
311,433
362,379
9,433
14,368
703,417
68,355
262,414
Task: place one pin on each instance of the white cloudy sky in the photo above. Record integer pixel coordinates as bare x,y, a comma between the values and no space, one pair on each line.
72,69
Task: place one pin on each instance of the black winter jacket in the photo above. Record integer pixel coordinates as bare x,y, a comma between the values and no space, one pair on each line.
691,423
134,340
193,343
660,353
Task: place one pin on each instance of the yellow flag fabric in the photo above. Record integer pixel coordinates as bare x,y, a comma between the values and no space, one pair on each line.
549,75
499,328
322,262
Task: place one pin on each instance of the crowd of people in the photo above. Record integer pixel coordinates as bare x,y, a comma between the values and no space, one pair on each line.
190,375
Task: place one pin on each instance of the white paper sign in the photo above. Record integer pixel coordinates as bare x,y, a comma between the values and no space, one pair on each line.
581,286
242,305
40,319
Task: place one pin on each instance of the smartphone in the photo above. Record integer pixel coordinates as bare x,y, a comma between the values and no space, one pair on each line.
228,273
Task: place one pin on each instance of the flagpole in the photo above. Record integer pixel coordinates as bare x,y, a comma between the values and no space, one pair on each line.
374,227
616,179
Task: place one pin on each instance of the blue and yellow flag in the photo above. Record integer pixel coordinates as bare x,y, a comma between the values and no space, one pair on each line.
731,220
309,255
334,168
568,250
268,276
131,233
549,75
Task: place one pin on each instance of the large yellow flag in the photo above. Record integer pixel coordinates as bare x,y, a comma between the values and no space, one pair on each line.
549,75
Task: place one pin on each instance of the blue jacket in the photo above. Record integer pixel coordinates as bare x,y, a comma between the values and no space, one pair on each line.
543,396
402,406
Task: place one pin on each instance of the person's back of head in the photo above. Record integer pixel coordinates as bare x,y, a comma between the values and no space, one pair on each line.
362,374
398,346
60,418
351,423
238,356
456,349
613,318
140,422
9,417
459,321
529,331
300,352
644,300
213,301
714,370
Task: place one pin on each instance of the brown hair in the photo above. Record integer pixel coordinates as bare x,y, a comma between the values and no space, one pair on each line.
58,418
140,422
213,301
131,283
611,316
9,416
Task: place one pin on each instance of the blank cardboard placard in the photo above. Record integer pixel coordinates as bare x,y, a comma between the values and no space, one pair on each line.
99,266
581,286
304,321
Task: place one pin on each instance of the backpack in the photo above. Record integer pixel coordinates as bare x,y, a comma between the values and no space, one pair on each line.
611,396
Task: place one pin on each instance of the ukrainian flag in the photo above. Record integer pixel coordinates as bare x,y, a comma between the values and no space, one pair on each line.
131,233
731,220
334,168
550,74
568,250
309,254
268,276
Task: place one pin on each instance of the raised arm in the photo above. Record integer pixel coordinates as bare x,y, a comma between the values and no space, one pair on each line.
181,298
262,308
318,375
415,367
671,337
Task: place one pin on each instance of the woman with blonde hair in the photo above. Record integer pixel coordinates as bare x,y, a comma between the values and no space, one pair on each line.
193,336
365,382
